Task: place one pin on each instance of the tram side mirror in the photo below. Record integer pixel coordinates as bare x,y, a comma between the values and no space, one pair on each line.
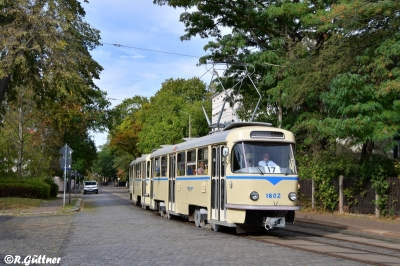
225,152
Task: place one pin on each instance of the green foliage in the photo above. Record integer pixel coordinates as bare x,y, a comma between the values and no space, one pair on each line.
165,120
45,44
46,86
376,170
350,192
104,165
325,170
331,68
53,187
24,188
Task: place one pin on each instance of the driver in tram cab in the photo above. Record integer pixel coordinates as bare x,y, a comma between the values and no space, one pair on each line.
266,161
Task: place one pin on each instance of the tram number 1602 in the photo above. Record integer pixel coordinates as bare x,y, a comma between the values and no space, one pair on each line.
273,195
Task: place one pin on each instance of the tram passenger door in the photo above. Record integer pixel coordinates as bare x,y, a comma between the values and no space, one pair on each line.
148,183
171,185
151,193
218,184
143,166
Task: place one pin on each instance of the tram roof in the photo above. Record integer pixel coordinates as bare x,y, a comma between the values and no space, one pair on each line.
191,143
216,137
142,158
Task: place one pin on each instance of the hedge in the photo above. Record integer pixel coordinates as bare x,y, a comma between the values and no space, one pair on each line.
53,187
24,188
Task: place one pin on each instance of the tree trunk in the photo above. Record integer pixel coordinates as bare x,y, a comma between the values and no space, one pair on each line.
280,116
3,88
366,150
21,142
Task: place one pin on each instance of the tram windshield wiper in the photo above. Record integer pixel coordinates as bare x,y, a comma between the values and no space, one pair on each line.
258,169
288,170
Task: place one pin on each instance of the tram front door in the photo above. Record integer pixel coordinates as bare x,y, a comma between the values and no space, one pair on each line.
218,184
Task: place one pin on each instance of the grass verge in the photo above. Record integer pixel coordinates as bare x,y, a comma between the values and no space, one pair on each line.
69,206
19,203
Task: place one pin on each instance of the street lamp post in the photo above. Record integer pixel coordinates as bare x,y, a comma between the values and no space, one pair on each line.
190,124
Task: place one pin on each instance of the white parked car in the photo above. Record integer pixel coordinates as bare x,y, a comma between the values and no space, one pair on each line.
90,186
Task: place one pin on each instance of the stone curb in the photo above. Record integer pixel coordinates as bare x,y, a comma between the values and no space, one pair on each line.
350,228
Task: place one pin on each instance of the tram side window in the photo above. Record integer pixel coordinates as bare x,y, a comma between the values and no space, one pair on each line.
191,162
141,171
148,169
202,161
156,167
164,166
181,163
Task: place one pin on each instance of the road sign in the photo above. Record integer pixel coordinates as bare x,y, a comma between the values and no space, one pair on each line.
66,150
66,160
65,163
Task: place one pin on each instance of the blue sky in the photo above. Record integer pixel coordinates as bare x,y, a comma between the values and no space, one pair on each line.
142,24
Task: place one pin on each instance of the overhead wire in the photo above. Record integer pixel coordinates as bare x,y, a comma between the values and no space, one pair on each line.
150,50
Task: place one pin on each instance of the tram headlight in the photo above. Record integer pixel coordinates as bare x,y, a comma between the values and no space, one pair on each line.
254,195
292,196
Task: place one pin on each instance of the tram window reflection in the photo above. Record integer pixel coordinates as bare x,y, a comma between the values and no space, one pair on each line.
202,161
191,162
181,163
246,158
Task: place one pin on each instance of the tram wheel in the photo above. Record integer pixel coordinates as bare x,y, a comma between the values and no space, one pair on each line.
167,215
216,227
197,219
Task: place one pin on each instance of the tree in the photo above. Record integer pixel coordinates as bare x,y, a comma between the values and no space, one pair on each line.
125,127
161,119
46,44
328,70
104,165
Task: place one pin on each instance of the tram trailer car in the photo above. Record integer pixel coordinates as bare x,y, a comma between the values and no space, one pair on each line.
139,180
222,179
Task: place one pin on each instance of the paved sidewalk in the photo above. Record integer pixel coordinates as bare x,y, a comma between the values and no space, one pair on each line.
364,224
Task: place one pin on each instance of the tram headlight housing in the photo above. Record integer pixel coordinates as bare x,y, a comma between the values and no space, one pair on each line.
292,196
254,195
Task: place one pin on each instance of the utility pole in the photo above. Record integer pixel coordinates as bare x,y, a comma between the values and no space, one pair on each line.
190,123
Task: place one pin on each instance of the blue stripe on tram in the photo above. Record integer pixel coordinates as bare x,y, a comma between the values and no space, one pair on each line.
273,179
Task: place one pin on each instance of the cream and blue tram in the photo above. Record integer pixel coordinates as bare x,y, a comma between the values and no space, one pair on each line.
234,189
139,176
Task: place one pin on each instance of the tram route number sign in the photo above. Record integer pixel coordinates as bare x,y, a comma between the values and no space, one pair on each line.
272,169
66,160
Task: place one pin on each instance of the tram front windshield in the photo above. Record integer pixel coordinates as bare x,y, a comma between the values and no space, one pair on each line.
263,158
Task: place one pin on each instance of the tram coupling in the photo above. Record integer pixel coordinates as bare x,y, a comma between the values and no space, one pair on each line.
270,223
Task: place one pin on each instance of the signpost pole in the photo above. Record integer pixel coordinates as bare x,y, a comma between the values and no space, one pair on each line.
65,163
75,183
65,172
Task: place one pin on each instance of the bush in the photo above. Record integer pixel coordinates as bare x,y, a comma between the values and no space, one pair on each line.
24,188
53,187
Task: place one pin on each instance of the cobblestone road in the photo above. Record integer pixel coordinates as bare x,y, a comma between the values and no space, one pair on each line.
33,235
110,231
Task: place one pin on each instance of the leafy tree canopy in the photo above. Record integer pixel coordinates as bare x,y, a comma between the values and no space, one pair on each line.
165,120
46,44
